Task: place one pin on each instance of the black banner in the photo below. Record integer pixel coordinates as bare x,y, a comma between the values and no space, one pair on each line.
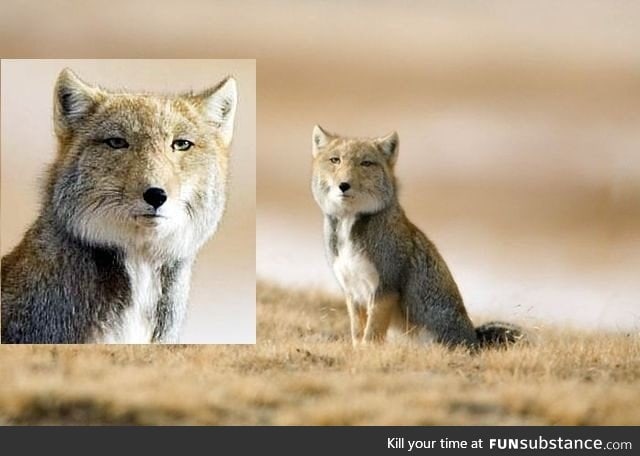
309,441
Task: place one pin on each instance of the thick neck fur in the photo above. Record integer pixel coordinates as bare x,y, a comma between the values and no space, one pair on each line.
352,227
133,285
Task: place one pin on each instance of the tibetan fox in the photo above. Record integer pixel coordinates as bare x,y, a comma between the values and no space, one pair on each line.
139,183
391,274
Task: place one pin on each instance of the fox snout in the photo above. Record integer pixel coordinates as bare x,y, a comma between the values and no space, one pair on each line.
155,196
344,186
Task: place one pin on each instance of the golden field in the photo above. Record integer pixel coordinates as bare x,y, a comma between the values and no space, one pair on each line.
304,371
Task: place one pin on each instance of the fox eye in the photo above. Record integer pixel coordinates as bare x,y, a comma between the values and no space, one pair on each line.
367,163
116,143
181,144
334,160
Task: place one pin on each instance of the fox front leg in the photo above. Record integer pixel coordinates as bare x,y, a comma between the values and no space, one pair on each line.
379,313
356,320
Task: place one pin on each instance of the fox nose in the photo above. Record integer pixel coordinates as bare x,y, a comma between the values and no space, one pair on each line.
155,196
344,186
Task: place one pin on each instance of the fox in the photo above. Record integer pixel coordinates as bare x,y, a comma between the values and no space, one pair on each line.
393,277
139,183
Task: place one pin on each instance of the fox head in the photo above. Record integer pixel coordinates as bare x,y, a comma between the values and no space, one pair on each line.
353,176
141,170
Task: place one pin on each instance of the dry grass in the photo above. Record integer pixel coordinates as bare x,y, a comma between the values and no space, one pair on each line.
304,371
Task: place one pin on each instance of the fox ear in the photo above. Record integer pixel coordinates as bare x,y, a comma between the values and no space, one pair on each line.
220,107
73,100
320,139
389,146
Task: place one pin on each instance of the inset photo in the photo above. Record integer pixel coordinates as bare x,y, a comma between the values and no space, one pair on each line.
128,201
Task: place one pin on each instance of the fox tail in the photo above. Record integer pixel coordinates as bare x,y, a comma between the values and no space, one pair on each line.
496,334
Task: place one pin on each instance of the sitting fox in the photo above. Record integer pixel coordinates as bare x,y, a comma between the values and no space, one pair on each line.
391,274
138,185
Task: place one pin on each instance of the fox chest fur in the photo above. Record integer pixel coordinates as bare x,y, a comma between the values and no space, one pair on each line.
353,268
136,323
156,293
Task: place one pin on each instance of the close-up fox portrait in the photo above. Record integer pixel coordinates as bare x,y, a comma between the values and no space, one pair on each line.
139,183
392,276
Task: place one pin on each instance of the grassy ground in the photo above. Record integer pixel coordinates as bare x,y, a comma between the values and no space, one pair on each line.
304,371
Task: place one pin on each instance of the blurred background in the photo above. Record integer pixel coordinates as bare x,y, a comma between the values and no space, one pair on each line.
223,285
519,128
